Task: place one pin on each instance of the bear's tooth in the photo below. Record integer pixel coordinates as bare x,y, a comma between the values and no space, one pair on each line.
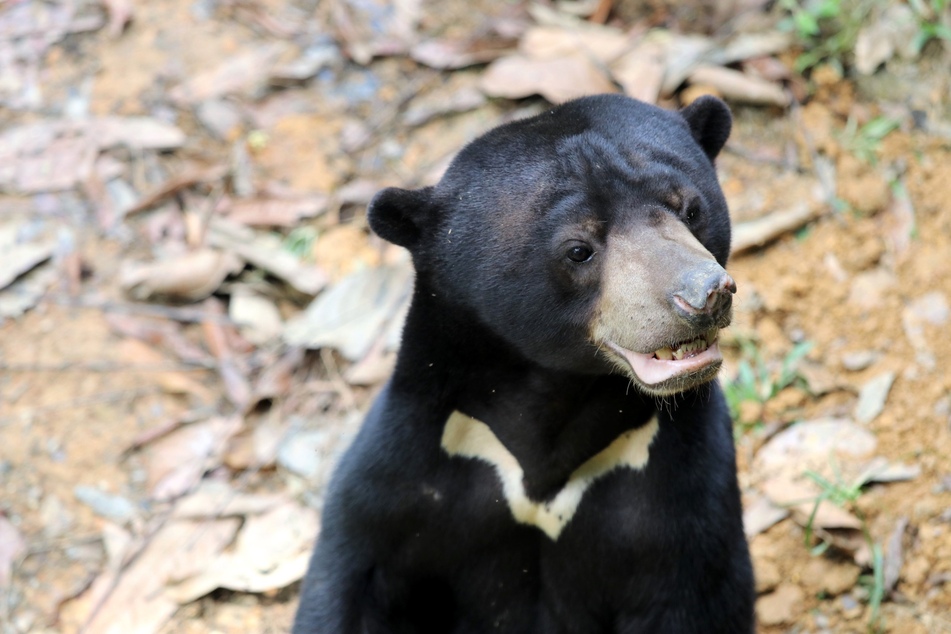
664,353
679,354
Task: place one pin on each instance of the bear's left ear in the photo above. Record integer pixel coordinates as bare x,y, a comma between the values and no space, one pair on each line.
710,122
398,215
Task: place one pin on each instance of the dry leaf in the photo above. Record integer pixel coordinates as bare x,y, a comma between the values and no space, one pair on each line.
756,233
17,259
191,276
133,600
602,43
353,313
272,212
177,461
137,353
271,552
640,71
277,378
455,96
245,74
801,497
371,28
734,85
257,316
216,499
232,374
759,514
811,445
267,253
445,54
557,80
12,547
186,179
159,333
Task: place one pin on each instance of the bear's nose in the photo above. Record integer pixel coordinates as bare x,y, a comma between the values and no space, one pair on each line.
705,291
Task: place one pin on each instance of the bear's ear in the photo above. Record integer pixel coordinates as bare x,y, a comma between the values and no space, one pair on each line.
710,122
398,215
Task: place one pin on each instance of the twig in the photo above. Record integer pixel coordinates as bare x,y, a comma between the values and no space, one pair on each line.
106,366
182,314
103,397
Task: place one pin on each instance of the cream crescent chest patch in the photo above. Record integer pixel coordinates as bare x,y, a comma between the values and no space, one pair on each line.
470,438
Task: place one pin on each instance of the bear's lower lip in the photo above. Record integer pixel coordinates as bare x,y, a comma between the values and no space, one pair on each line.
651,370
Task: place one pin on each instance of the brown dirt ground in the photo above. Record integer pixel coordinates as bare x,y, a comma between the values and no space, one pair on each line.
63,425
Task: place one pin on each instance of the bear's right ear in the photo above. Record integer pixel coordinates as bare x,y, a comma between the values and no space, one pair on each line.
710,122
398,215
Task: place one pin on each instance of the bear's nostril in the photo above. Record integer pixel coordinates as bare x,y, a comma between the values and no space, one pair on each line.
713,291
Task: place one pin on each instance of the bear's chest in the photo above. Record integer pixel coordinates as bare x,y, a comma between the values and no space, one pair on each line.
471,445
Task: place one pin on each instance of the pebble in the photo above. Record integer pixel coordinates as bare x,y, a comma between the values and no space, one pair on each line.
781,606
859,360
872,397
112,507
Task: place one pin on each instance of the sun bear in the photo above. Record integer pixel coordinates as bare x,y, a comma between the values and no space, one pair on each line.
552,454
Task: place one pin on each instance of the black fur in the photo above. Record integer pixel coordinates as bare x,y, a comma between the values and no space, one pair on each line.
416,541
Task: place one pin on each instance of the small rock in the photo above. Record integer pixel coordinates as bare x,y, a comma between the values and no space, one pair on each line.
112,507
869,288
851,608
781,606
859,360
872,397
767,576
301,453
829,576
55,517
221,118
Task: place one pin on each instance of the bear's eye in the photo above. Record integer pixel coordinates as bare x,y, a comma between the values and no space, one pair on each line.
580,253
691,210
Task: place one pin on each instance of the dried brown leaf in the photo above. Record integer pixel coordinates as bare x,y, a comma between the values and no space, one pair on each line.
137,353
257,316
373,28
557,80
267,253
801,497
133,600
189,276
734,85
273,212
271,552
444,54
243,74
756,233
601,43
177,183
177,461
53,155
17,259
216,499
277,378
640,71
353,313
12,547
159,333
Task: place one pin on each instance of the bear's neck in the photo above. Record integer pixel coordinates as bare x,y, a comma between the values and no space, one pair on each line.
551,421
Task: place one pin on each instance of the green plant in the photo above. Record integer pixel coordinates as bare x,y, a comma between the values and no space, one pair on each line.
300,241
864,141
846,496
930,26
826,29
756,381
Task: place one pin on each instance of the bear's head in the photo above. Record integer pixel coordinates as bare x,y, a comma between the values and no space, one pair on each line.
592,238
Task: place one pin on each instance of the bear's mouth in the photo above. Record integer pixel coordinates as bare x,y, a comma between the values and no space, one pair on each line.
671,362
